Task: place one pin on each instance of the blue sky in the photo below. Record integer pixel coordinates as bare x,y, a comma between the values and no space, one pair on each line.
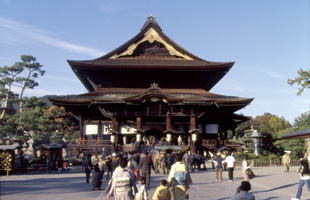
268,40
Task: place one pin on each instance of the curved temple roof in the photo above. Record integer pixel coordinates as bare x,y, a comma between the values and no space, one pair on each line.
150,54
299,134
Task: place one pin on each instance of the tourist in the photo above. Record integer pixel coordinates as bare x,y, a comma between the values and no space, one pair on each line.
156,163
198,161
162,192
286,162
230,160
243,192
133,170
179,179
109,167
163,164
101,165
218,162
87,165
223,155
115,161
307,157
142,191
96,178
304,177
203,162
170,162
145,165
244,167
122,185
187,160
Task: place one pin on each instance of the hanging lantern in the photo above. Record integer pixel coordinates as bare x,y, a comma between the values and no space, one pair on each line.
113,138
169,137
138,137
195,137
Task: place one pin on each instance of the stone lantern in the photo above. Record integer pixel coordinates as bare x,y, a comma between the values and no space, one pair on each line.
256,137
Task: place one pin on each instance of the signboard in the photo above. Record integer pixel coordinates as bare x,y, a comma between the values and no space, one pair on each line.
128,129
90,129
106,129
212,128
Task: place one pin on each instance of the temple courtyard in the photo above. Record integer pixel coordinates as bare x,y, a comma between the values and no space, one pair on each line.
270,183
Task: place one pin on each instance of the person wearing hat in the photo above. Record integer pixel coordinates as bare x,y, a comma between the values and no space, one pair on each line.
115,162
243,192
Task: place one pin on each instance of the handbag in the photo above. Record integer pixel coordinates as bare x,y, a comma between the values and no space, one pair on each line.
250,173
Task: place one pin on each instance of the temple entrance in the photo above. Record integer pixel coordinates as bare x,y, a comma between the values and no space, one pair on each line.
153,132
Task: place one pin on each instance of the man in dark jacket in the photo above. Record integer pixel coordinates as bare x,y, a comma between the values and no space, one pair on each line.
145,165
115,162
87,165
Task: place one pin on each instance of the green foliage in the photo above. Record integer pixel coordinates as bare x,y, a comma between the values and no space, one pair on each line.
294,145
303,79
21,74
252,156
303,121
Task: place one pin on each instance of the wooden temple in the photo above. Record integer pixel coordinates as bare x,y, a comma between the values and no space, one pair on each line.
150,86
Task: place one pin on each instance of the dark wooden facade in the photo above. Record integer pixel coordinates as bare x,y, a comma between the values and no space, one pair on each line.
152,86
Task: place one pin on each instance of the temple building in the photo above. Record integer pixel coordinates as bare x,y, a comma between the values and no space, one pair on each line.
150,86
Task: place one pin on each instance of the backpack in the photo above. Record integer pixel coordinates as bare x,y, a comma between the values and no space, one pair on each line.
179,178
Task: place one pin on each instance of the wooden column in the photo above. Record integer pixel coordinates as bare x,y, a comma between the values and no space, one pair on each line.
168,122
114,129
139,123
99,132
193,126
81,135
193,122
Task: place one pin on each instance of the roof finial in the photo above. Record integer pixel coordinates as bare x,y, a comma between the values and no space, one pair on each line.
151,18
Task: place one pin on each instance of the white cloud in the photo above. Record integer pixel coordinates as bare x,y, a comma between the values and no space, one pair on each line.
39,35
107,7
272,73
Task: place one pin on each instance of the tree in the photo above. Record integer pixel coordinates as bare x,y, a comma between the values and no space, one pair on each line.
303,79
34,69
8,75
61,121
303,121
12,76
37,122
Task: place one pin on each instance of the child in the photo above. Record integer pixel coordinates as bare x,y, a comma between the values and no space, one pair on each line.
142,191
162,192
133,170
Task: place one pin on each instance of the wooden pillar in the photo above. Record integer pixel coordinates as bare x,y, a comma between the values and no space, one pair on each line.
139,123
168,122
193,122
114,129
193,126
81,135
99,132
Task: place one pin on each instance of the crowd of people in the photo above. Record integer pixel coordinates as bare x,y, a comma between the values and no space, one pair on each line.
129,174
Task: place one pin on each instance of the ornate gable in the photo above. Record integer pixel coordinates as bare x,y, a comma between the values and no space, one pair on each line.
154,94
152,37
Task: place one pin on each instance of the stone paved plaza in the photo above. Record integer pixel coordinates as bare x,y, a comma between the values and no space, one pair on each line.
270,183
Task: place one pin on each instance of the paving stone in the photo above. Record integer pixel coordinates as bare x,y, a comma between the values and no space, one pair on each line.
269,183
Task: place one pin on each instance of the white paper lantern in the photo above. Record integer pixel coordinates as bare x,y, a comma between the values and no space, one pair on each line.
169,137
195,137
112,138
138,137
